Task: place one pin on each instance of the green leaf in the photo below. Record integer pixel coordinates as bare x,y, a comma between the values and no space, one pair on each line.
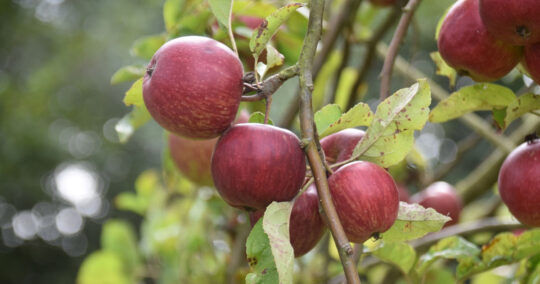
400,254
523,104
131,122
134,95
258,117
389,138
102,267
484,96
222,10
172,10
264,33
444,69
273,57
253,8
145,47
359,115
414,221
128,73
269,252
118,236
326,116
147,183
454,247
344,89
131,202
324,78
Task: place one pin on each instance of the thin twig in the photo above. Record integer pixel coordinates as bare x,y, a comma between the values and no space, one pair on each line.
269,86
400,32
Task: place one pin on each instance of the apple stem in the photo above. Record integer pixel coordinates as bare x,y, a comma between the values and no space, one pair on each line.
399,34
307,126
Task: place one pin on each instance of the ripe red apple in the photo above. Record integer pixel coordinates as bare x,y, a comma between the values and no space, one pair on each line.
306,226
366,199
519,183
403,193
515,22
339,146
193,157
250,21
193,86
466,45
532,61
255,164
442,197
383,3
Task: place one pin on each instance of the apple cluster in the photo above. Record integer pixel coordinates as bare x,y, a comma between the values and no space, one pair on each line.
486,39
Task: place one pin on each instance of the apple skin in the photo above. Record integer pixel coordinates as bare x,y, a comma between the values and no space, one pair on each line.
193,157
339,146
515,22
366,199
383,3
193,87
403,192
466,45
306,226
442,197
519,183
532,61
254,164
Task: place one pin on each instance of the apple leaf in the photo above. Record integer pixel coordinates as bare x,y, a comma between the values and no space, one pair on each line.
414,221
400,254
258,117
484,96
523,104
131,202
345,87
390,135
454,247
359,115
269,27
126,126
443,69
269,252
273,57
222,10
102,267
326,116
146,46
253,8
134,95
119,237
172,9
128,73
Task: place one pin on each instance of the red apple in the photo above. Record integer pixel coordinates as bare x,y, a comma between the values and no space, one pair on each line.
339,146
532,61
466,45
306,226
383,3
193,157
442,197
519,183
250,21
403,193
255,164
193,87
366,199
515,22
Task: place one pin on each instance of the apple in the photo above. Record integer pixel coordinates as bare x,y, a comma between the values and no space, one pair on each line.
515,22
403,193
193,157
519,182
254,164
306,226
251,22
366,199
532,61
466,45
442,197
339,146
193,87
383,3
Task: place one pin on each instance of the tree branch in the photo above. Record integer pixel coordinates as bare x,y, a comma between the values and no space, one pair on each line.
268,86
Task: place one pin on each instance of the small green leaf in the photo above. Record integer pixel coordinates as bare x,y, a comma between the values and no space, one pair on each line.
128,73
484,96
258,117
400,254
131,122
449,248
118,236
131,202
389,138
270,26
147,183
414,221
260,258
359,115
344,89
523,104
443,69
222,10
134,95
102,267
273,57
326,116
145,47
172,10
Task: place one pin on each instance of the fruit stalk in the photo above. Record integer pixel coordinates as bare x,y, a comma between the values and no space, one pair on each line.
309,136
